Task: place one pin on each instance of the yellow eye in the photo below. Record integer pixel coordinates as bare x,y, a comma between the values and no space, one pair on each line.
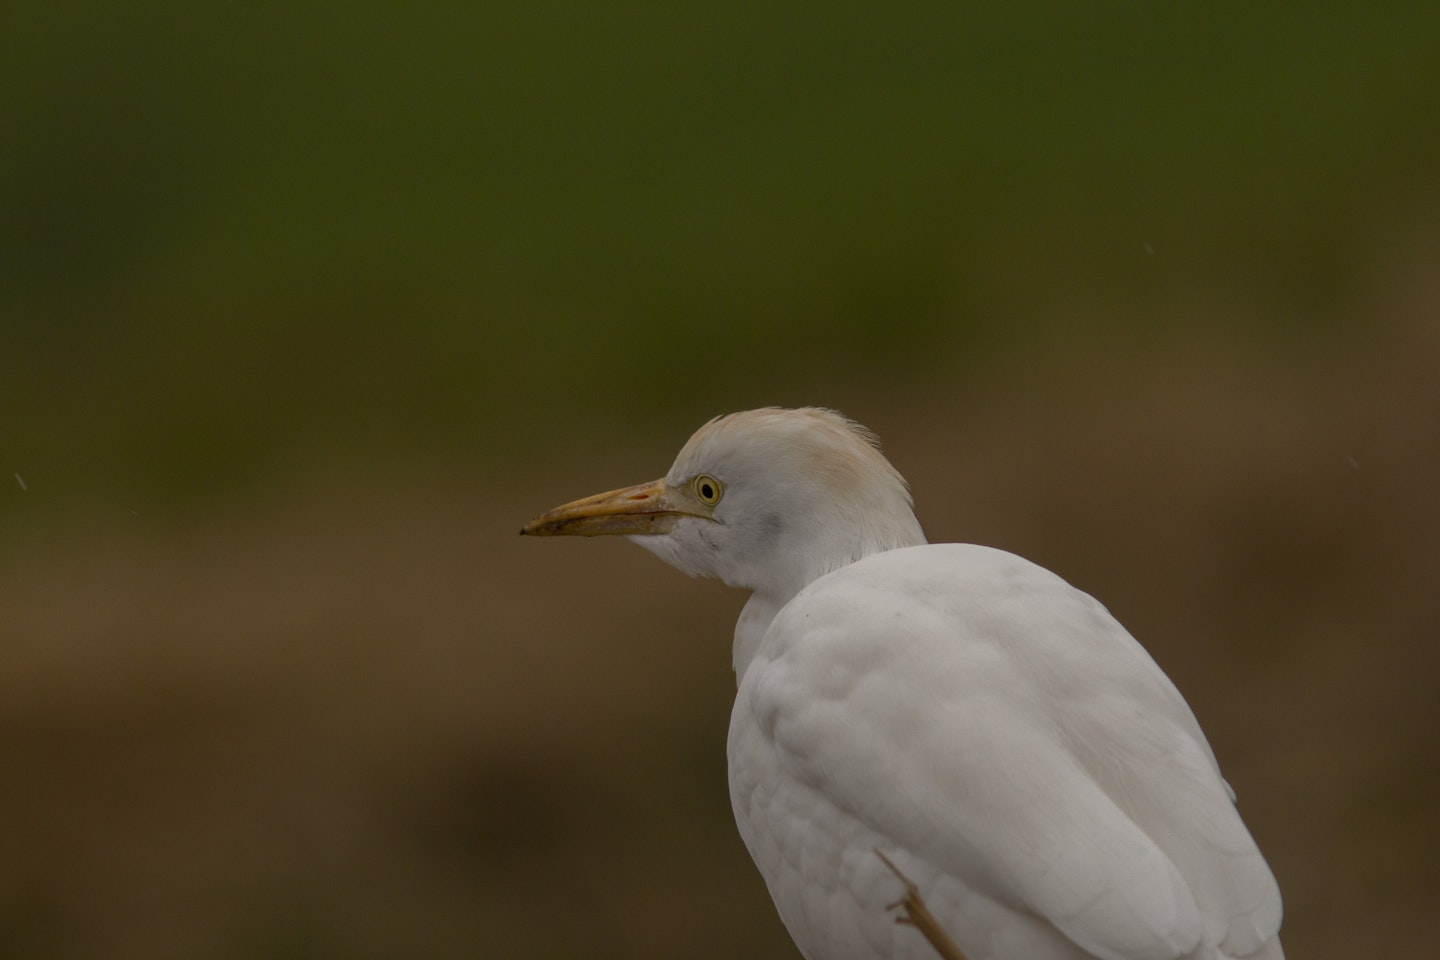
708,489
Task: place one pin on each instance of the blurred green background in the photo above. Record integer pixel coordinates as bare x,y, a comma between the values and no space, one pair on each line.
305,307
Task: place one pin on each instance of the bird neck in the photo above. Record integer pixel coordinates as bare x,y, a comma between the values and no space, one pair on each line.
771,596
750,629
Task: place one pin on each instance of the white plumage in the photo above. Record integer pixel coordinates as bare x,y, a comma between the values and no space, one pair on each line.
989,728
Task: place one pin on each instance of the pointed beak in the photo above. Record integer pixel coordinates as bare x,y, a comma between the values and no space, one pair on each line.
646,508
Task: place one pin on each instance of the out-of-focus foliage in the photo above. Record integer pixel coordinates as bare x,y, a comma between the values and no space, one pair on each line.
237,237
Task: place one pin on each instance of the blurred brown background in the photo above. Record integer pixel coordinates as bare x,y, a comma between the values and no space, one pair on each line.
305,309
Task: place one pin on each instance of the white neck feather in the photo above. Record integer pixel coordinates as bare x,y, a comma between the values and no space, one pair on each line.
834,546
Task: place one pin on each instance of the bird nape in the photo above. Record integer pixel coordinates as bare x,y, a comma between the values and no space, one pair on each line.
947,720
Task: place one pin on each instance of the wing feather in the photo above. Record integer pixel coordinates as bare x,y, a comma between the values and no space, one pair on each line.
998,723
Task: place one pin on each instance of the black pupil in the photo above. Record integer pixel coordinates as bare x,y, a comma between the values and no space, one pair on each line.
707,491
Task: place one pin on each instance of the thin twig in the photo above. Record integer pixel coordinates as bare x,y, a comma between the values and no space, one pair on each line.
916,914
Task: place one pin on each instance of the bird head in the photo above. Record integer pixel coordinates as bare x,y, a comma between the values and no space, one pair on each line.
766,499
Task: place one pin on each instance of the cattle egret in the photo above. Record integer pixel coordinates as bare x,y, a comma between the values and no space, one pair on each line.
952,710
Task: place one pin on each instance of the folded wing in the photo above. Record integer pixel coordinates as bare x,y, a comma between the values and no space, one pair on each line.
996,722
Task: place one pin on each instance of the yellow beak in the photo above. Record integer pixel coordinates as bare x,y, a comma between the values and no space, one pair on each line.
646,508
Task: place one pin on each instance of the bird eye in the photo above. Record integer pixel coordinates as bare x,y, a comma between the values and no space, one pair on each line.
708,489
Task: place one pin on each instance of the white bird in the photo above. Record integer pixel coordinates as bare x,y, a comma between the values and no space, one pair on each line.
991,730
